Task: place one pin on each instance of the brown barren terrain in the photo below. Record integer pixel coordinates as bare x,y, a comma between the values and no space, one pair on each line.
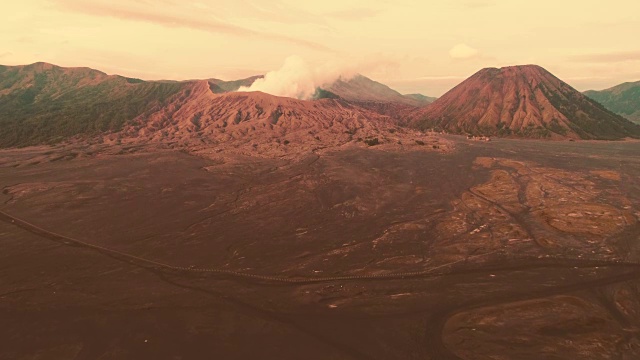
502,249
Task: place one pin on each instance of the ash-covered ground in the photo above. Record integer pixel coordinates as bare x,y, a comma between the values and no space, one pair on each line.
493,250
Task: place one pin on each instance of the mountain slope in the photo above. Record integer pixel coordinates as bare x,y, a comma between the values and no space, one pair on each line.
422,99
251,119
623,99
360,89
522,101
41,103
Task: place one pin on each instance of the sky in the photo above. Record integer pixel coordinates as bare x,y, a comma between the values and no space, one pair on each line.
413,46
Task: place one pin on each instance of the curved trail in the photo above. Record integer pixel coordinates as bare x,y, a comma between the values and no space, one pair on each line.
435,331
157,265
164,266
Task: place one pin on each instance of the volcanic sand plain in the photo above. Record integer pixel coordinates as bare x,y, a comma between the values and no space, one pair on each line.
494,250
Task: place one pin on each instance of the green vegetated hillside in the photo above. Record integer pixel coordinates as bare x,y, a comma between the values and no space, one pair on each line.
422,99
623,99
43,103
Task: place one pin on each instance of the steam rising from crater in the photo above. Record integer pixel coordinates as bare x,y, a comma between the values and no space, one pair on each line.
297,79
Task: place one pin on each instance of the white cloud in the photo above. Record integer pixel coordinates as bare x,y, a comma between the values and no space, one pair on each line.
463,51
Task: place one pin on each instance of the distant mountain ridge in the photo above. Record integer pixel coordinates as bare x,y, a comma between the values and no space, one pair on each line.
357,89
43,103
362,89
521,101
623,99
422,99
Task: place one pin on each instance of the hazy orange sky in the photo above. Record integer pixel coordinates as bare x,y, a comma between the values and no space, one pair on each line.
413,46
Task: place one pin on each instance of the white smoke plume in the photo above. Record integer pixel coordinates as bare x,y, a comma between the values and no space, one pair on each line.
297,79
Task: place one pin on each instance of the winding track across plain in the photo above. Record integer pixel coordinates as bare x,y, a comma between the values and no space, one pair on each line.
544,262
434,332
